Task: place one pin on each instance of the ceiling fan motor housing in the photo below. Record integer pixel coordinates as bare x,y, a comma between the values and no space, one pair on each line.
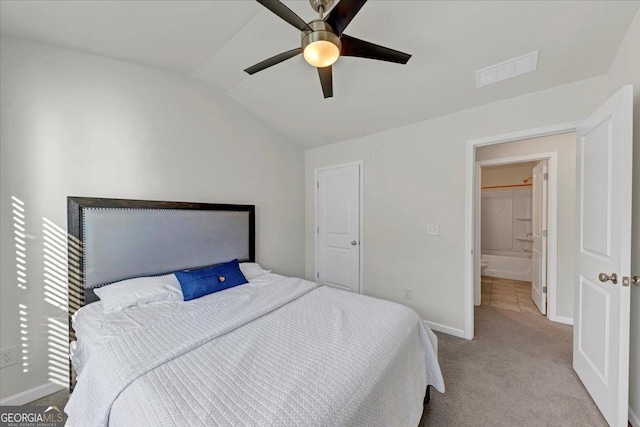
321,32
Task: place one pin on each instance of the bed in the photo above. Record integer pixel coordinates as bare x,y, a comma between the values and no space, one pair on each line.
275,351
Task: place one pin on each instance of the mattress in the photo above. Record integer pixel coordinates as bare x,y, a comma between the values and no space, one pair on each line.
278,351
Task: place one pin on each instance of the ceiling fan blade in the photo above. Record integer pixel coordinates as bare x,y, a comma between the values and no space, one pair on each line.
352,46
273,60
326,79
342,14
285,13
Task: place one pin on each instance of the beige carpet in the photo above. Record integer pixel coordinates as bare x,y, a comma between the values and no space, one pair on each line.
516,372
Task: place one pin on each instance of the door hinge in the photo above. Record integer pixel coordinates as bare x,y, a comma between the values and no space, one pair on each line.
317,275
545,176
544,289
318,230
545,233
318,184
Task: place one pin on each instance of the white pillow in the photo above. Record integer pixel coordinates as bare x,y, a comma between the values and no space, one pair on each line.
141,290
251,270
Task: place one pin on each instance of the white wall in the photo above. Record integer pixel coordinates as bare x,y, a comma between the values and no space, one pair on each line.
625,69
77,124
415,175
565,146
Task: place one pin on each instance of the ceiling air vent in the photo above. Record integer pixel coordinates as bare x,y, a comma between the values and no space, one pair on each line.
505,70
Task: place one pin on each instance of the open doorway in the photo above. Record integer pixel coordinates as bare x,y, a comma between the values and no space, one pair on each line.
512,234
539,242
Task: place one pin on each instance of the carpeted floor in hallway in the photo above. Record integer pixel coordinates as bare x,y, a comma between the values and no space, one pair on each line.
515,372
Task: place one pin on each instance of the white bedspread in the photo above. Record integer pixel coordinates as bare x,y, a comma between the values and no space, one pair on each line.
94,327
291,353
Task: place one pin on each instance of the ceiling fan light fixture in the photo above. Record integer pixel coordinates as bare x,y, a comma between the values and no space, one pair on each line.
321,47
323,40
321,53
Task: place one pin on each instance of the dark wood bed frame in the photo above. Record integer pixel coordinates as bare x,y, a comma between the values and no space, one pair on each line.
75,206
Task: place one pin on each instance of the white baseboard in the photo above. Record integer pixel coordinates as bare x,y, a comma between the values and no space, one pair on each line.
634,419
562,319
446,329
30,395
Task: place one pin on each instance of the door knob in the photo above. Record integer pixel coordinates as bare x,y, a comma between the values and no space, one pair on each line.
353,243
604,278
635,280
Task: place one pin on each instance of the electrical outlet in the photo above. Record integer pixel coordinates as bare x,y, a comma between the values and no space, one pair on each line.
433,229
8,356
407,293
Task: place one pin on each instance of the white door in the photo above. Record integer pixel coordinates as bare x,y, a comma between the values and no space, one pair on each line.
338,227
601,313
539,236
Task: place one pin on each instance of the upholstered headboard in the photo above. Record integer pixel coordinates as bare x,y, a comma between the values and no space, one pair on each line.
115,239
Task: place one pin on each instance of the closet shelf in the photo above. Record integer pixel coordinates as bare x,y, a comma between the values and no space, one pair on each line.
524,239
524,219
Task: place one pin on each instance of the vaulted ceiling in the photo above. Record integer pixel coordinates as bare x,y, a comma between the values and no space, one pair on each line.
214,41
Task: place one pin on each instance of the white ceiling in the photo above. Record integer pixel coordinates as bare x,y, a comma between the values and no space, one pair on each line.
214,41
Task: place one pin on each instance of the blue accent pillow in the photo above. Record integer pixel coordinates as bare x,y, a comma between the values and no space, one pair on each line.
205,281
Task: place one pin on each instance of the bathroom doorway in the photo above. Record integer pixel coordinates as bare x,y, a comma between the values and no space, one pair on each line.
513,235
558,151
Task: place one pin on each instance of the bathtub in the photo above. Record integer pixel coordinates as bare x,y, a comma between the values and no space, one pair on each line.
508,265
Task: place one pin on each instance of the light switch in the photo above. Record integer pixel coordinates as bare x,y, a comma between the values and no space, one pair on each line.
433,229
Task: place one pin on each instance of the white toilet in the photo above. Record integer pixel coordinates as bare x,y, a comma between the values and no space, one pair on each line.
484,263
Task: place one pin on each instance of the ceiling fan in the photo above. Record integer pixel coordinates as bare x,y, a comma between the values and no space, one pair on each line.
323,40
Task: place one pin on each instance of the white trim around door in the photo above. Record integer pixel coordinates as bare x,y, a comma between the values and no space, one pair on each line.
316,173
470,203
